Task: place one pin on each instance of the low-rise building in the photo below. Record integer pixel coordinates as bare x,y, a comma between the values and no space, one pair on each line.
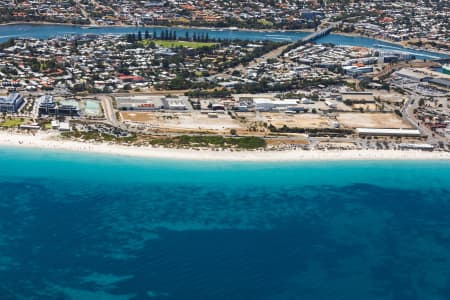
265,104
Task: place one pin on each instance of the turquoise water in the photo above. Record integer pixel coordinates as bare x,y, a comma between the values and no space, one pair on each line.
45,31
87,227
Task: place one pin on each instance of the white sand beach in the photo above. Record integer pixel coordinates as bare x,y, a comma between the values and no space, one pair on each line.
51,141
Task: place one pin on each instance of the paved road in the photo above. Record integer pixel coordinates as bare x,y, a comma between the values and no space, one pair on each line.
85,13
270,55
108,110
408,113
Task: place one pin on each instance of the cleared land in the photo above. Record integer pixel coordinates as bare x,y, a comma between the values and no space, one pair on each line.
296,121
372,120
182,121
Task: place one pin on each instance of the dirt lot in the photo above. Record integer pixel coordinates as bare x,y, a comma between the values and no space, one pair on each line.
182,121
372,120
297,120
391,96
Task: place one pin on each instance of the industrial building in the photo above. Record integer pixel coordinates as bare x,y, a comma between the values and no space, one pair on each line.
265,104
413,74
11,103
175,103
442,82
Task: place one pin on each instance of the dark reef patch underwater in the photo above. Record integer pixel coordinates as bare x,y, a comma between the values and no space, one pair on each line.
79,227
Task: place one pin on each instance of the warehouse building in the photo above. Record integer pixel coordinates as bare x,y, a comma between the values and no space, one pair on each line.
388,132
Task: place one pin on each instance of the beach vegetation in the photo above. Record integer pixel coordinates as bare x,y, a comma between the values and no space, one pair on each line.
99,136
212,141
311,131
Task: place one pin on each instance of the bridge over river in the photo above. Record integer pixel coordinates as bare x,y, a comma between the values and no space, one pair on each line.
317,34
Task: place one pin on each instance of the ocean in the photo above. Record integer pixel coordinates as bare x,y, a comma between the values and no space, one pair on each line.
84,227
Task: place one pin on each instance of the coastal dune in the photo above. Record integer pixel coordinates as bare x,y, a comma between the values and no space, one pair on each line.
51,141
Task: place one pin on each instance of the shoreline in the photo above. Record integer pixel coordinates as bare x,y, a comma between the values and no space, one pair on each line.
50,142
400,44
306,30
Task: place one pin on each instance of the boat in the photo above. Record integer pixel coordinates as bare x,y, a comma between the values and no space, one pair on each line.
90,27
446,68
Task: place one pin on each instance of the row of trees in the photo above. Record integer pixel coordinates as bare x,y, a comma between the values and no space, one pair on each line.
169,35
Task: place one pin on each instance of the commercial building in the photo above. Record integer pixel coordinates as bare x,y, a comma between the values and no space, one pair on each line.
140,103
11,103
47,106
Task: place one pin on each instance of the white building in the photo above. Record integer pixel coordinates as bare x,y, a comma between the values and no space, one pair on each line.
265,104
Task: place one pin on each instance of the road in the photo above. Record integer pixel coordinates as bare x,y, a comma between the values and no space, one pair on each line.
85,13
408,114
108,110
270,55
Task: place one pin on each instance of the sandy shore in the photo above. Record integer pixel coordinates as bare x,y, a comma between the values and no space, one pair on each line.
50,141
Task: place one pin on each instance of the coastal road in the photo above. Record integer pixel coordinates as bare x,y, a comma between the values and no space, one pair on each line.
108,110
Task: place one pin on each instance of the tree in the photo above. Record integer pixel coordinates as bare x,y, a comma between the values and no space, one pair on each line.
139,37
147,35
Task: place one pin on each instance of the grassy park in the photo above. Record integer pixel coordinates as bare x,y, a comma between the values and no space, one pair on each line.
176,44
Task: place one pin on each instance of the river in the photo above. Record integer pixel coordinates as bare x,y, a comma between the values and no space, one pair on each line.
46,31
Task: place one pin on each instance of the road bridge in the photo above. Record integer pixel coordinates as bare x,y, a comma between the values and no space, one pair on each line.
317,34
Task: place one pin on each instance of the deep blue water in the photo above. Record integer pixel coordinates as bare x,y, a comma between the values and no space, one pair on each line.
45,31
85,227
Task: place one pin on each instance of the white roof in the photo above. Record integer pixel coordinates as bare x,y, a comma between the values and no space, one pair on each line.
275,102
399,131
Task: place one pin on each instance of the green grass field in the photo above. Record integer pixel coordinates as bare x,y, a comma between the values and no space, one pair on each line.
175,44
11,123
